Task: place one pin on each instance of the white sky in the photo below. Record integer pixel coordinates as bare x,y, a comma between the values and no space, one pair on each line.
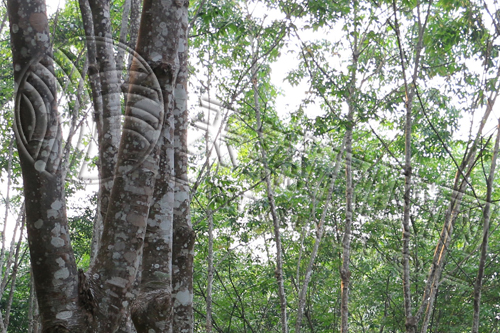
52,5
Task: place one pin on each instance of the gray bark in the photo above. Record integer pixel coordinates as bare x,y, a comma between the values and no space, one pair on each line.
345,273
184,237
98,300
459,186
486,228
52,259
109,120
319,235
410,87
270,197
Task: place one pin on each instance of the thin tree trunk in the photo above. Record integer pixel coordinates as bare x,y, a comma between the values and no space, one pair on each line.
210,274
95,86
270,197
319,234
110,119
486,227
210,218
460,183
410,88
8,264
7,200
152,309
135,21
106,97
345,273
5,274
14,278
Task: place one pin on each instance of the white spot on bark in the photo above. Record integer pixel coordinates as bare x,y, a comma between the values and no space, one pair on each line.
38,224
42,37
57,204
64,315
155,56
63,273
117,281
52,213
180,198
181,47
39,165
184,297
56,231
165,225
15,28
57,241
17,67
60,262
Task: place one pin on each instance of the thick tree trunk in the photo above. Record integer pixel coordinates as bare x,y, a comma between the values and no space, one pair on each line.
39,144
99,301
184,237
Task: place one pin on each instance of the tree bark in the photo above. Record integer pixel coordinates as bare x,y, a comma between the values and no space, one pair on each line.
270,198
486,227
410,89
184,236
345,273
319,234
109,121
210,218
153,309
39,143
458,190
98,300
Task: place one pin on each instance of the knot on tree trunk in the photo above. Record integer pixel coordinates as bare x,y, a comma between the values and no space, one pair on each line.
58,328
345,274
150,310
411,324
87,292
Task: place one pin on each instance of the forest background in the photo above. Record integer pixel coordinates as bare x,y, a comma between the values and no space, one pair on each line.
370,202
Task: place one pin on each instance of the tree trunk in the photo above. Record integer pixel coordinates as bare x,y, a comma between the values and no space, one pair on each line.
319,234
486,227
345,273
458,190
184,236
270,197
98,300
39,146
